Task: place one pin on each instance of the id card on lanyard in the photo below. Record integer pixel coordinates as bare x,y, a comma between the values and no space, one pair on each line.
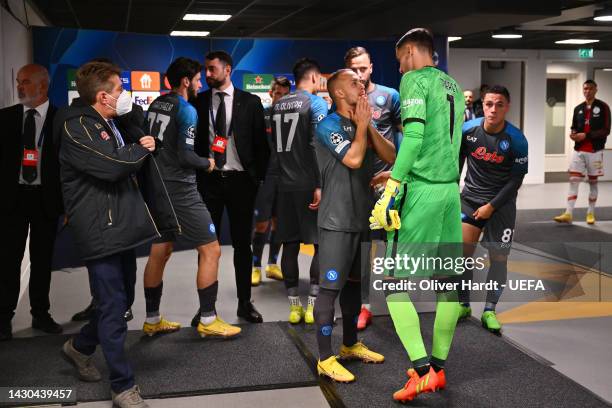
219,143
31,156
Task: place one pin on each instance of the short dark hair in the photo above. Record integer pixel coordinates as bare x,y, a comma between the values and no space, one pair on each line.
222,56
499,90
304,66
281,81
421,37
94,77
483,87
354,53
590,82
180,68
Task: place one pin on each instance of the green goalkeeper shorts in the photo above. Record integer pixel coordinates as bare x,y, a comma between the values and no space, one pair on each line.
430,230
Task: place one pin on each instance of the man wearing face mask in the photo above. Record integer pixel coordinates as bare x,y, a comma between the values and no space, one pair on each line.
126,118
32,198
108,218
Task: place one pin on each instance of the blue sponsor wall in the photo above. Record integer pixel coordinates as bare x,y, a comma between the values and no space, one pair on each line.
62,49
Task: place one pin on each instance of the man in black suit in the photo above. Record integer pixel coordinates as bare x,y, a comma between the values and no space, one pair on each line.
231,129
31,198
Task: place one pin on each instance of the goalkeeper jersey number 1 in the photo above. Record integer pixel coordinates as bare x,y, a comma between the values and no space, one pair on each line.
431,97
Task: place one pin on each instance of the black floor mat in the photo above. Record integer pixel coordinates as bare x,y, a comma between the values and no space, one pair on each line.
262,357
483,370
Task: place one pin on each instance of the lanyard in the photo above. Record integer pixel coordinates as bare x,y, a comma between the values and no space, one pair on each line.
212,116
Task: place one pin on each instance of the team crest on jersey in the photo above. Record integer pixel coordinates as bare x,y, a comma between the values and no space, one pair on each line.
336,138
376,114
380,100
104,135
596,110
320,117
504,145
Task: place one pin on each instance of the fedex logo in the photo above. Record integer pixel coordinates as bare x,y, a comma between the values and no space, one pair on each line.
482,154
143,101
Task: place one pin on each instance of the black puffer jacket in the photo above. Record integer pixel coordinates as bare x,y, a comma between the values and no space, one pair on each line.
104,205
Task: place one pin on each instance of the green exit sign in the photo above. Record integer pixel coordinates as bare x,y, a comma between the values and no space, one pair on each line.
585,53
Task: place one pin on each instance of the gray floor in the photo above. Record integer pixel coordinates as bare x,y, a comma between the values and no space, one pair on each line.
578,348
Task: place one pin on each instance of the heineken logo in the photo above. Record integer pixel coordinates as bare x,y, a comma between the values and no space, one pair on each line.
257,82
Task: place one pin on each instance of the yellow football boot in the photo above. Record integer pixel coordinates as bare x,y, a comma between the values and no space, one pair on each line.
590,218
273,271
359,351
255,276
333,369
565,218
218,328
163,326
296,312
309,315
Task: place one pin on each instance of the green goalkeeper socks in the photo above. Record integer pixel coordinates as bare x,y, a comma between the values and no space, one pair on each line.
447,313
407,326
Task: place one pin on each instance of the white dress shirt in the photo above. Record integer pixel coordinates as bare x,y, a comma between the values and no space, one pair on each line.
39,119
232,161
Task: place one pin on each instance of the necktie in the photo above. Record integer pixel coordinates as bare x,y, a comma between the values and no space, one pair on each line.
29,143
118,138
220,124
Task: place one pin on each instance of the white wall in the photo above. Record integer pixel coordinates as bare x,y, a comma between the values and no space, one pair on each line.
464,66
510,77
15,46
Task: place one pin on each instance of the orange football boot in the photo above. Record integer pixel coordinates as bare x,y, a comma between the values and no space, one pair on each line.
417,385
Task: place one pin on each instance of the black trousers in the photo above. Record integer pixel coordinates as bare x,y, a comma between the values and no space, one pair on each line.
29,213
235,191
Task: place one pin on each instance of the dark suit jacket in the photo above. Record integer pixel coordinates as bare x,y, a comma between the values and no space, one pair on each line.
11,146
248,130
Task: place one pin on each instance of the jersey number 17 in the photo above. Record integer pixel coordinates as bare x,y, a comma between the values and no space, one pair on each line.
279,120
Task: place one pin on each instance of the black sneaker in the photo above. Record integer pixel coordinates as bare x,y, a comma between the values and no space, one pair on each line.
128,315
6,331
84,315
46,324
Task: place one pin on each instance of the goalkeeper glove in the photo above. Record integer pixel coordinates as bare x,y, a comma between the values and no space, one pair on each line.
383,216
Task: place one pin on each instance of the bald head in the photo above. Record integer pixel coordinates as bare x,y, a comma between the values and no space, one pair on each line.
32,85
345,88
338,79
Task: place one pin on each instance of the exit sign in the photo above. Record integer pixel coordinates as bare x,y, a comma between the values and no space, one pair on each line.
585,53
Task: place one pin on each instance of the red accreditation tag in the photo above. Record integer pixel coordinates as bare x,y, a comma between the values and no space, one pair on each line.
219,144
30,157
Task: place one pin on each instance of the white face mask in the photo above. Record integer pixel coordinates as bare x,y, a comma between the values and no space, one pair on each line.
124,103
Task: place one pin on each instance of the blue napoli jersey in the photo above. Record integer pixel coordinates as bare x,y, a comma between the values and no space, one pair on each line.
386,117
346,197
174,121
293,121
492,159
